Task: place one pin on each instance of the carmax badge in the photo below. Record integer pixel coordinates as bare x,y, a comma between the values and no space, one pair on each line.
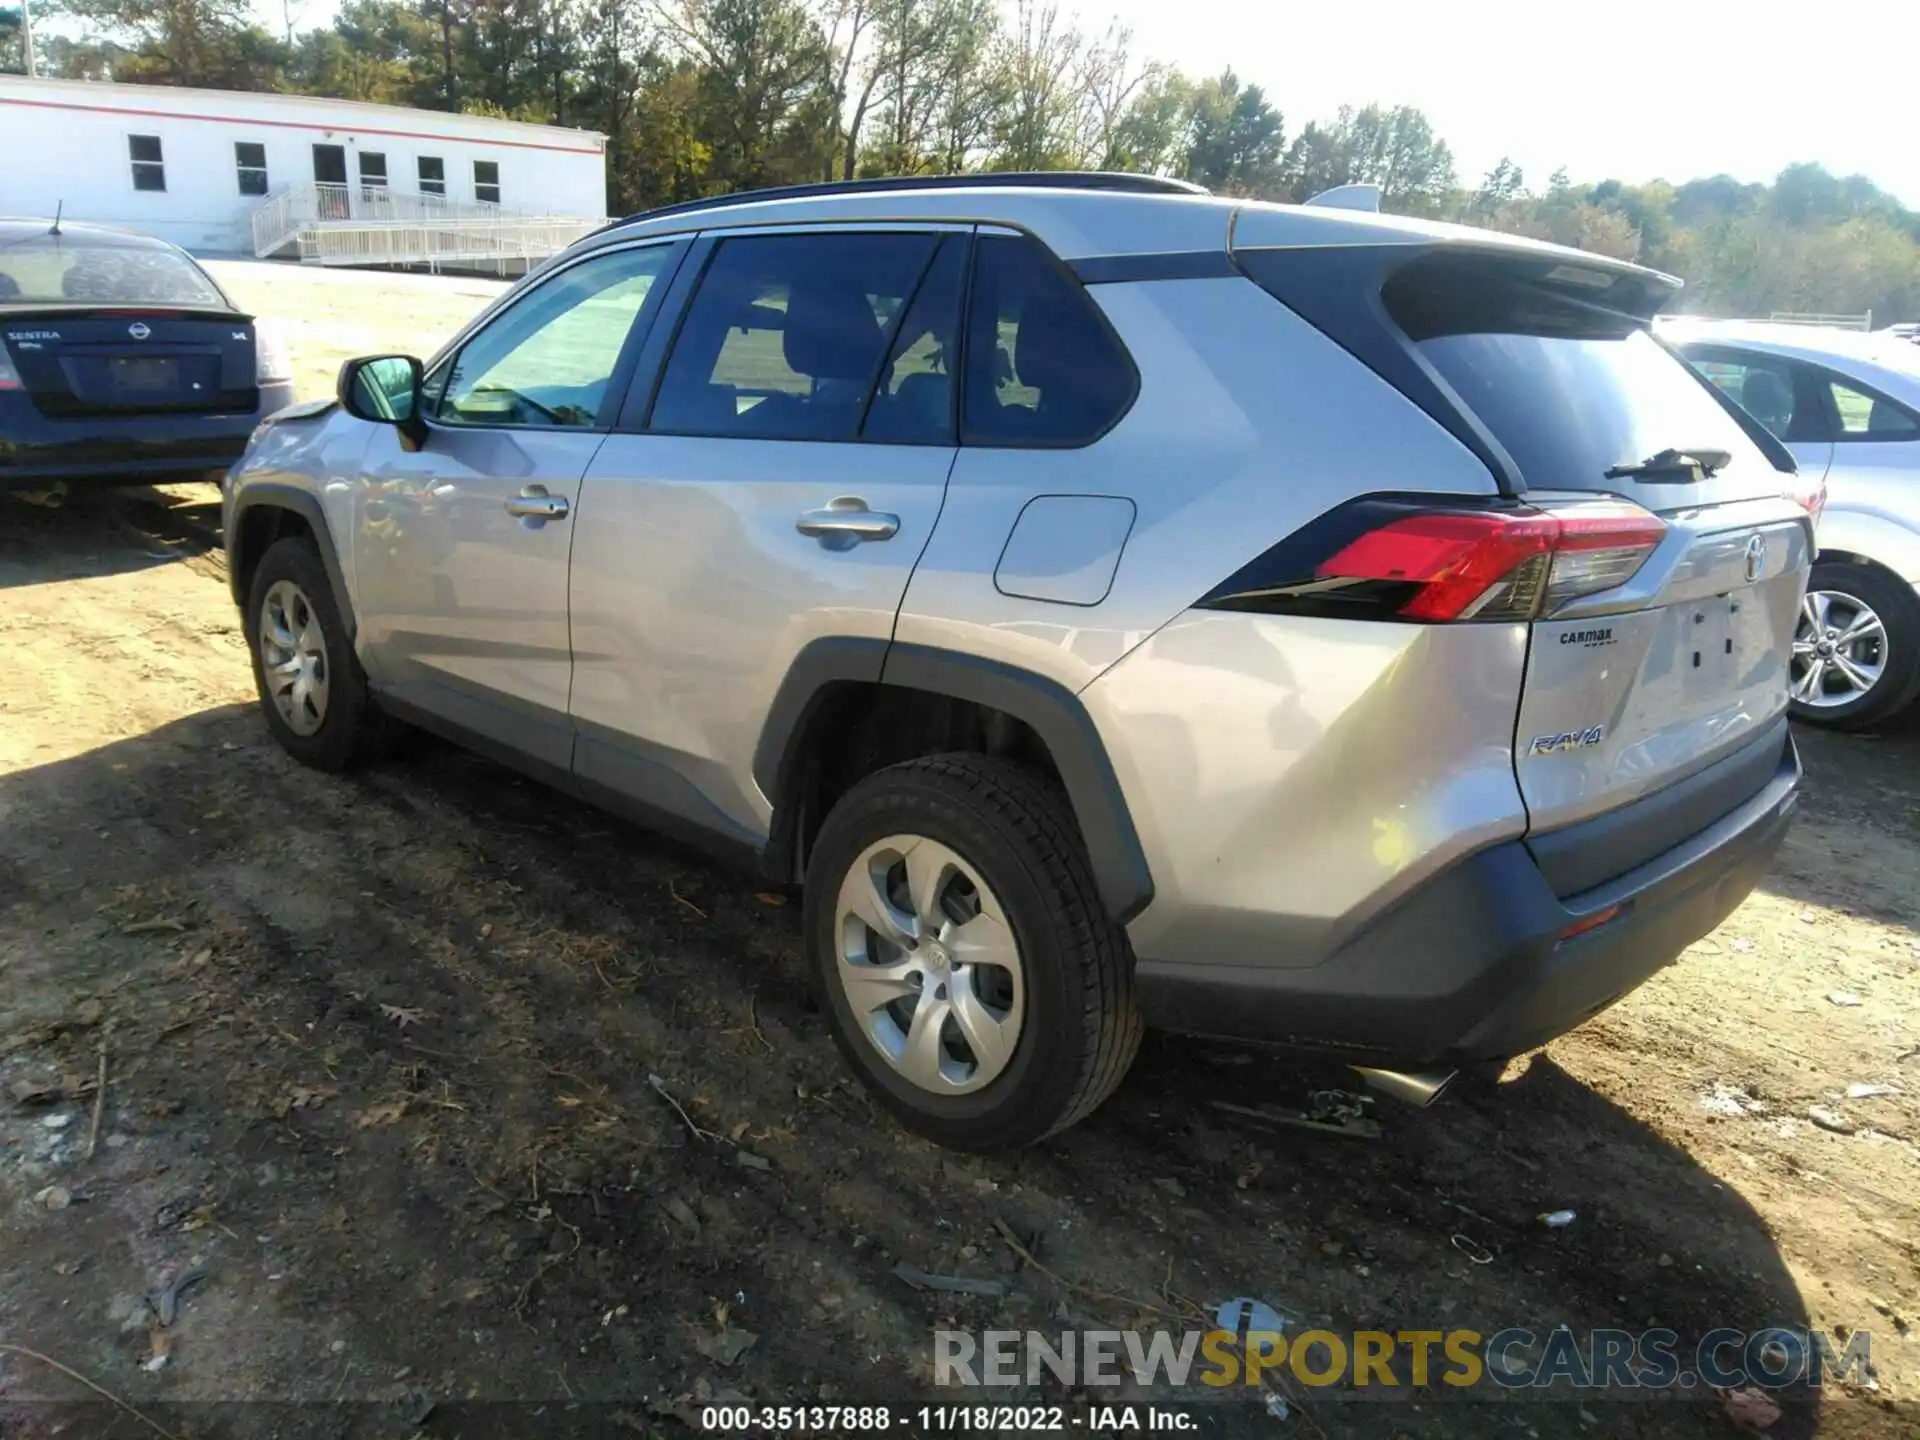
1567,740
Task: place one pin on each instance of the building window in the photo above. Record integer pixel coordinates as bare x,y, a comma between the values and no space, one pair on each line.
433,175
373,170
250,164
486,181
149,172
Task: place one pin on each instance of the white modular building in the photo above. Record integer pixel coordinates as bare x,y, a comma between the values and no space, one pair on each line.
332,181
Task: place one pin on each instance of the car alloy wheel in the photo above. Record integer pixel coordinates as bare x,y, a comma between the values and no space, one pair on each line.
929,965
1839,650
293,657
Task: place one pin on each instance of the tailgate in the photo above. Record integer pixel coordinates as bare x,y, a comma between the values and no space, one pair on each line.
133,362
1662,680
1632,689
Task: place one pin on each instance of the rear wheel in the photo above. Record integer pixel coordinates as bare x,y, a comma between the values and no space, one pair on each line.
1856,651
312,690
972,977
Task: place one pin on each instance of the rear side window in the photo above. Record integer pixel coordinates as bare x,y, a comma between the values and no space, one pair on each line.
787,334
1870,417
1570,386
1043,366
1777,393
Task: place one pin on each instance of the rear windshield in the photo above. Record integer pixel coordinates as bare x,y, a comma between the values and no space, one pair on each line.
1570,386
53,269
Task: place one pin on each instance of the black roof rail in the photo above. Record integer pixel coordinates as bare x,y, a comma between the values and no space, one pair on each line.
1022,179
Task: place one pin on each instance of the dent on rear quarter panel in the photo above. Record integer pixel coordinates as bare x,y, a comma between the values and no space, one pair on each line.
1249,422
1292,776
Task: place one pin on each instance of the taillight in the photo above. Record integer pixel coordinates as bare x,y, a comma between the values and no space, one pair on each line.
1599,547
1397,557
1466,565
9,377
273,359
1810,496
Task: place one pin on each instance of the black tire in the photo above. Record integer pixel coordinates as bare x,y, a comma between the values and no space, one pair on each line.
1899,611
1082,1027
354,730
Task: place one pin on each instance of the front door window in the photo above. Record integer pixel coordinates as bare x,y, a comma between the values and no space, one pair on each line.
549,360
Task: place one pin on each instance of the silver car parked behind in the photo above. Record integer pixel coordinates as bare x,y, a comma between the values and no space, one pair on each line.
1115,604
1848,406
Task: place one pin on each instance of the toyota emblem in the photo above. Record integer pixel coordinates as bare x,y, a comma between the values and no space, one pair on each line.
1756,557
138,329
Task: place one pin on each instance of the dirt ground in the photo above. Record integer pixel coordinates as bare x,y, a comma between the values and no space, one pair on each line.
463,1095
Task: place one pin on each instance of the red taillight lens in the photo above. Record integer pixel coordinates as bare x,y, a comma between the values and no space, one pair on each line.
1809,496
1463,561
1501,565
9,377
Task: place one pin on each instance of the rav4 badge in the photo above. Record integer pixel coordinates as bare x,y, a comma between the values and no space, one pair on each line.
1567,740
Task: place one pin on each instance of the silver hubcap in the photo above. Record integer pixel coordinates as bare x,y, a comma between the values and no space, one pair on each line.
928,964
1839,650
293,657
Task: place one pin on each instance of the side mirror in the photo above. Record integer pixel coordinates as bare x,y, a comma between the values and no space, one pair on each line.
385,389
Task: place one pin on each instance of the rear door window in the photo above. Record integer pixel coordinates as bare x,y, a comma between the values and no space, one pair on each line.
913,403
1044,368
1781,395
787,334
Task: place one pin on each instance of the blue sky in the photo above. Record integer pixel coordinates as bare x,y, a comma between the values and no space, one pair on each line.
1634,89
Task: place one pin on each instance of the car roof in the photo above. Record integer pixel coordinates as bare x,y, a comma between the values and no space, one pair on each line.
20,228
1881,360
1093,217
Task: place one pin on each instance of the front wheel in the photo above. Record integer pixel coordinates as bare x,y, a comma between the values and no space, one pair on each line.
1856,650
972,978
312,690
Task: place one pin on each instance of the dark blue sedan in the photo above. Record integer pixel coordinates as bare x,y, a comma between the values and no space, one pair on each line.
122,361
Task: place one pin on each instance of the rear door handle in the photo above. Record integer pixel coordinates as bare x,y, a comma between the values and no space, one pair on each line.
845,522
534,503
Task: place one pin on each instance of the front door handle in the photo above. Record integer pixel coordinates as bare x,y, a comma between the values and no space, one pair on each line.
535,504
845,522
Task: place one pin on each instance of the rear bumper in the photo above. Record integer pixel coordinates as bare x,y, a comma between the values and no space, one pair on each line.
35,449
1473,965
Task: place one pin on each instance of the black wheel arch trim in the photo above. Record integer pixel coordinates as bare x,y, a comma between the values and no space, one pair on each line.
1052,711
273,495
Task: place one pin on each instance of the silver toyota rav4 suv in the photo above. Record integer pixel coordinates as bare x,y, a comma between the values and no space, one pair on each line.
1117,605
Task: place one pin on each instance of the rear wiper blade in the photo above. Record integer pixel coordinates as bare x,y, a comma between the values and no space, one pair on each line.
1674,467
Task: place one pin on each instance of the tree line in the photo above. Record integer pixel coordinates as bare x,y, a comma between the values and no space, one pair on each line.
702,97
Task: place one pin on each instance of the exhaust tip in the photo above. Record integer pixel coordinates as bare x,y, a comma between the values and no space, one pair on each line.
1419,1089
